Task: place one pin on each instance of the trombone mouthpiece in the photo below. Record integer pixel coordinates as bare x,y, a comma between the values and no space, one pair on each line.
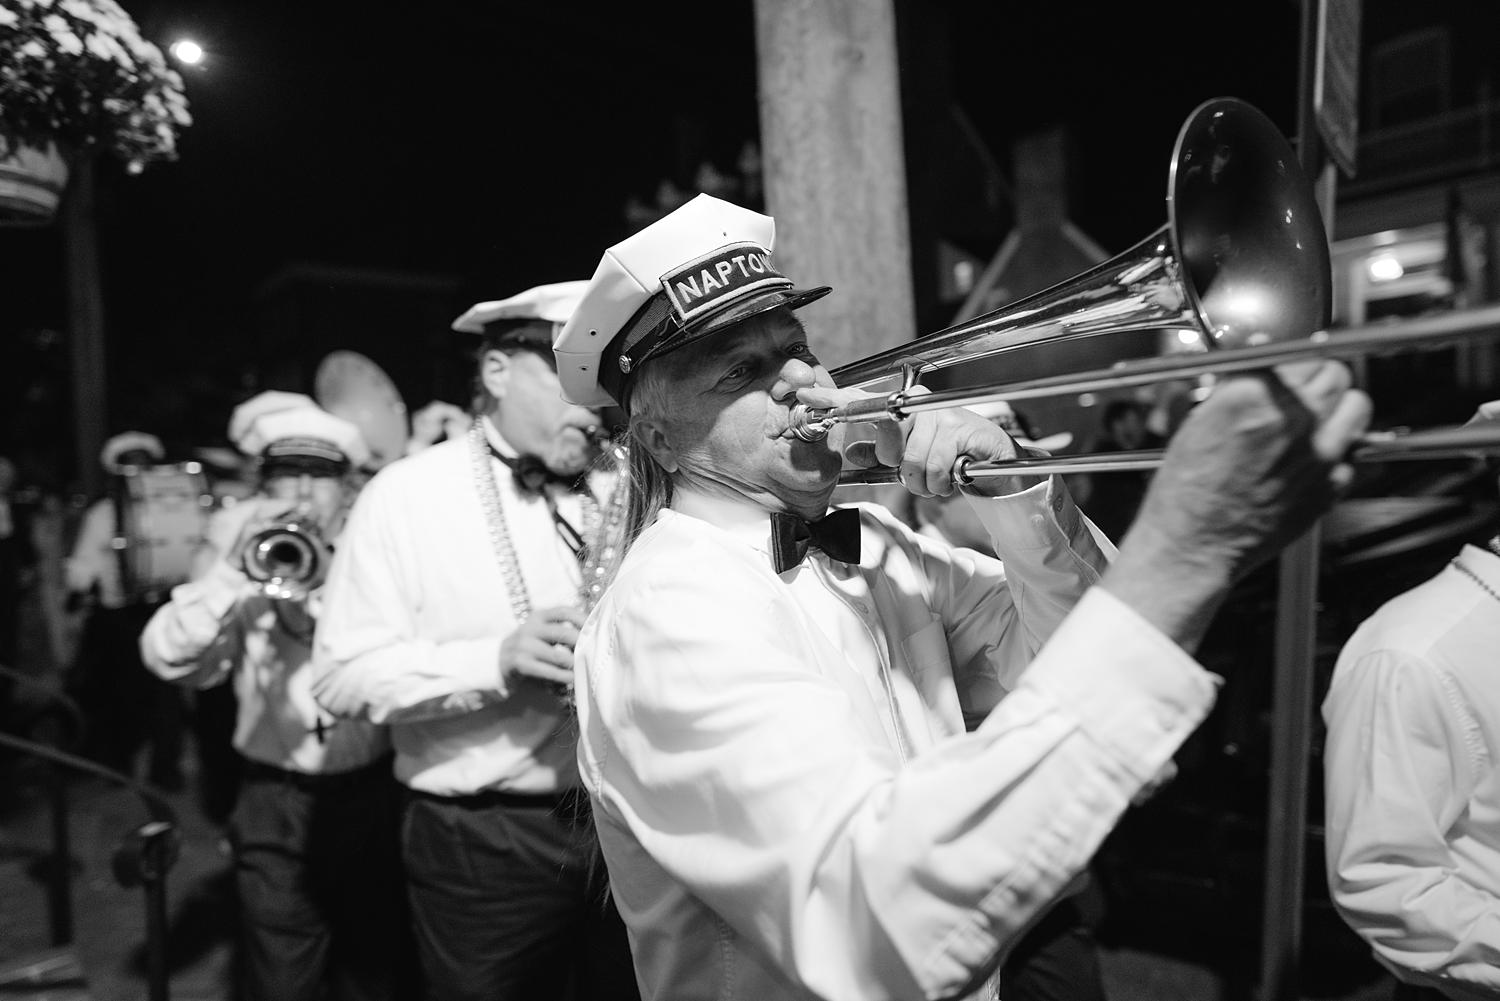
810,423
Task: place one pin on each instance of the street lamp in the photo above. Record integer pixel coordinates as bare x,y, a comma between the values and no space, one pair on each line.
187,52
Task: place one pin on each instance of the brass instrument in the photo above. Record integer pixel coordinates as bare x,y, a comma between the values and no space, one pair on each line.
1242,262
288,560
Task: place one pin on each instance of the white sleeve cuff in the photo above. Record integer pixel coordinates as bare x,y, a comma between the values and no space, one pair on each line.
1030,519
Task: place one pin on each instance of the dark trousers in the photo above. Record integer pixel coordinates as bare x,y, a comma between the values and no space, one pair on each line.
126,706
322,906
1056,960
1411,992
509,901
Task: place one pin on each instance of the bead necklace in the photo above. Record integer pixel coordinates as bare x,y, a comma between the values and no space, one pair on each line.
605,534
494,519
1494,547
597,528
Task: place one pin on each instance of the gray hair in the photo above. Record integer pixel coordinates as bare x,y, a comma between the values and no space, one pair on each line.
648,485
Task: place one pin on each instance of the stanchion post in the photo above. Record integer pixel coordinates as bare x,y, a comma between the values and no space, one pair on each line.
60,883
1295,647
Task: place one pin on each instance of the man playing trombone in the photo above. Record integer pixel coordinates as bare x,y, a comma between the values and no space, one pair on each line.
314,838
772,699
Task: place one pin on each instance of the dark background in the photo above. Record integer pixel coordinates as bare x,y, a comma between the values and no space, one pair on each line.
472,150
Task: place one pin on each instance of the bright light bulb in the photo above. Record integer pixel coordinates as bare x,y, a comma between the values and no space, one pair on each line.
1385,269
187,52
1186,337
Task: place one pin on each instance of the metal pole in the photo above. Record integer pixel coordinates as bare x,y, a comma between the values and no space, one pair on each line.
1296,628
85,325
59,888
158,981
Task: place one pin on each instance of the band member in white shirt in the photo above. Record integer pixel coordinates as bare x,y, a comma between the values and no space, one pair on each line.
772,698
127,709
452,610
314,830
1412,784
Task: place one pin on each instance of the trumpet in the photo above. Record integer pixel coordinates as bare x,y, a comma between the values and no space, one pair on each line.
288,560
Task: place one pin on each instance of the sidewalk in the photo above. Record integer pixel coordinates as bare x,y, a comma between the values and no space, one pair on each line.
109,921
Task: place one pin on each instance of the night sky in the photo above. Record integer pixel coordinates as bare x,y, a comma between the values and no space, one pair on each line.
498,142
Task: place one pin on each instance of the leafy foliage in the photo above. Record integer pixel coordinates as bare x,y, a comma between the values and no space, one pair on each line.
78,72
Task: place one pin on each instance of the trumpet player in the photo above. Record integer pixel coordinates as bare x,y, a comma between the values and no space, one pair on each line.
453,606
313,830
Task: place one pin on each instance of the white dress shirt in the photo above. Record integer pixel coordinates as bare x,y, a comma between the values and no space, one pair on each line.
1413,791
95,561
790,806
416,609
216,627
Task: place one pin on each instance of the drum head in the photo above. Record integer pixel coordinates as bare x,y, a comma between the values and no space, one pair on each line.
164,514
353,387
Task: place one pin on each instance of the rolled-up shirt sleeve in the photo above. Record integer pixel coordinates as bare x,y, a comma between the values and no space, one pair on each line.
737,766
1401,764
998,614
371,662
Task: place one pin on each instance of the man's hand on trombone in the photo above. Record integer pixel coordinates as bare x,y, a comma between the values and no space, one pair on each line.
927,447
1251,469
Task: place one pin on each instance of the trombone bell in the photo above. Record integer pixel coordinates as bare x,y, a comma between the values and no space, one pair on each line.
1242,260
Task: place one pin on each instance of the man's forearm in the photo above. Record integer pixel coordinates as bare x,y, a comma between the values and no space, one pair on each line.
1174,590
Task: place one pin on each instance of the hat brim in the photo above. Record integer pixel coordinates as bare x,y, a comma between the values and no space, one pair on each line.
739,312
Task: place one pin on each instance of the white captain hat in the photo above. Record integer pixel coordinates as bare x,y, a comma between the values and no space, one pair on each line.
261,404
531,318
298,435
126,442
697,270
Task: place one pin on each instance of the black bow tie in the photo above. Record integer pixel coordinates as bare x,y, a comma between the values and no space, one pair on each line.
791,538
532,475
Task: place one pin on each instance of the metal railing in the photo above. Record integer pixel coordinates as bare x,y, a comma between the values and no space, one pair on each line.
144,856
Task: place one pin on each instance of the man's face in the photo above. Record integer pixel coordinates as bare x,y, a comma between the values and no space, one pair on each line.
1129,429
322,497
730,397
534,418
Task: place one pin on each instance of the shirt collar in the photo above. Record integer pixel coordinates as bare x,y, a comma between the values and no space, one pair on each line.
745,521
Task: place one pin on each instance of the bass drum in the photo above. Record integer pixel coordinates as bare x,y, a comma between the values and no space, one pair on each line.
163,515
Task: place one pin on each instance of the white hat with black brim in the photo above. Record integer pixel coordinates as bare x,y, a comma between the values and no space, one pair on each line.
694,272
531,318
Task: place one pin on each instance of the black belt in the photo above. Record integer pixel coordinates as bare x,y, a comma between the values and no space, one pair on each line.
318,782
570,799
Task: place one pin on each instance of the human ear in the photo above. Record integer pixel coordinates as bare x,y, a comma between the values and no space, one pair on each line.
650,435
494,373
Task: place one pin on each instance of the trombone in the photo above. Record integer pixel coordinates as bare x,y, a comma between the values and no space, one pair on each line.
1242,262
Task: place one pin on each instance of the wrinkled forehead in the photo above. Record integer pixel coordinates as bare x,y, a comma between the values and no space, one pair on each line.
775,328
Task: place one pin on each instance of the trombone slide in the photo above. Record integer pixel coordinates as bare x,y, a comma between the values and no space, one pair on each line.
1459,442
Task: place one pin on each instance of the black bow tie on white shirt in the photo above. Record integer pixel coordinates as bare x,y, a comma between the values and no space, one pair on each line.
791,537
532,475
